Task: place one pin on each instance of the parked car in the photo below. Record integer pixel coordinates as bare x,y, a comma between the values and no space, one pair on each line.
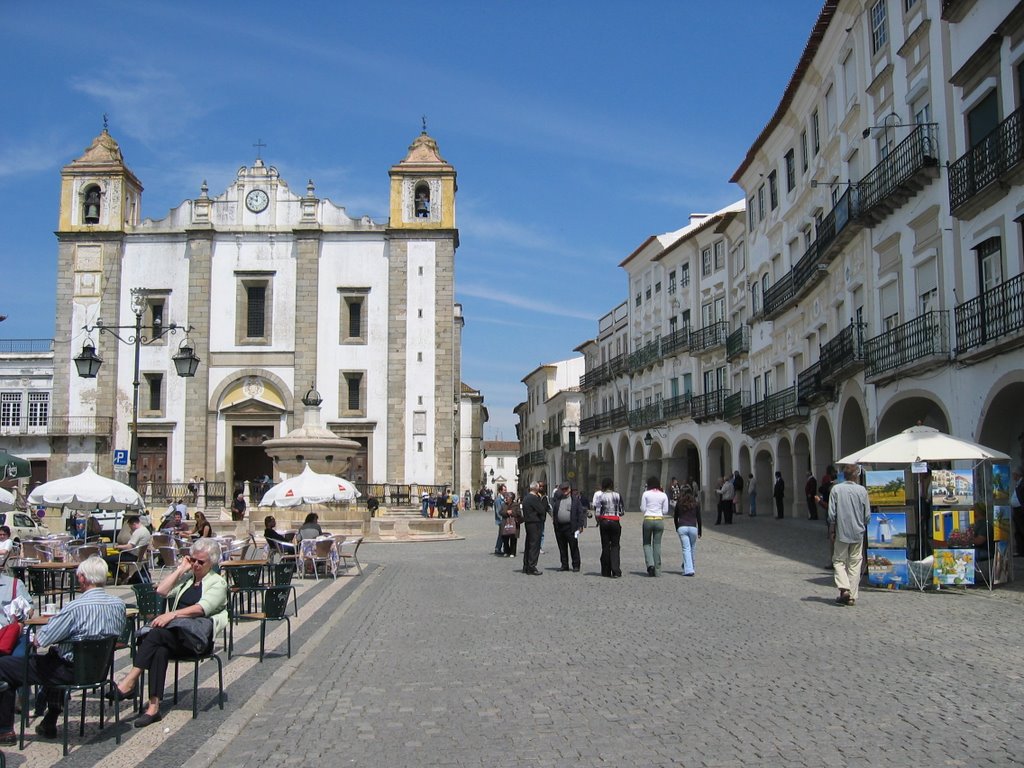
23,526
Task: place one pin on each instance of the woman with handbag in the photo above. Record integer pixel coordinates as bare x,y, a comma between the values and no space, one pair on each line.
12,640
510,526
198,600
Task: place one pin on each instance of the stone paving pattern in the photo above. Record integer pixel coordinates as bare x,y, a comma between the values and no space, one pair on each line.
445,655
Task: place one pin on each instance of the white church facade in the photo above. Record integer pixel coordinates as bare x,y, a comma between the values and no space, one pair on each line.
282,291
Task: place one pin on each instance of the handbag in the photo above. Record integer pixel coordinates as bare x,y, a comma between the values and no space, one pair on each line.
509,528
10,634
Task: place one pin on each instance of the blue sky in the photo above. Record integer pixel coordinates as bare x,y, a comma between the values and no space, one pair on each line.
577,130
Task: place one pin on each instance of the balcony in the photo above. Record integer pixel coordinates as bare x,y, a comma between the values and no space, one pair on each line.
840,225
996,158
991,322
910,348
552,439
606,371
677,407
738,342
676,342
778,297
778,409
96,426
906,171
843,356
646,416
734,405
809,271
602,422
649,354
811,388
709,338
710,405
535,459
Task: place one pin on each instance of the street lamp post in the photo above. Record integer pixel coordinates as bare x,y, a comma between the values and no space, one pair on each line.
88,363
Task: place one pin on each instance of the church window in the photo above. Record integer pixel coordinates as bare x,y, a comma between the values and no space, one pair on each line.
254,308
422,201
10,409
38,409
354,308
91,205
353,393
154,391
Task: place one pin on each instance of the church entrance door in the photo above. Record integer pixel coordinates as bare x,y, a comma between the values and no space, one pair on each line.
249,460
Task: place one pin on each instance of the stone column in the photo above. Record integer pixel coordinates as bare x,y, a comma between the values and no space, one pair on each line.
398,287
200,428
307,306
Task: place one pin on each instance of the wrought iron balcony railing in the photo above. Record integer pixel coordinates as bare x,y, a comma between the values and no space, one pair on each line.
777,297
843,355
992,158
641,358
677,407
924,337
646,416
552,439
738,342
606,371
95,426
754,418
613,419
810,386
835,229
710,405
901,175
809,271
995,314
709,337
676,342
778,408
734,405
535,458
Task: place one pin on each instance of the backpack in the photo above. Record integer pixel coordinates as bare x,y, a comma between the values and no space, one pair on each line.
737,483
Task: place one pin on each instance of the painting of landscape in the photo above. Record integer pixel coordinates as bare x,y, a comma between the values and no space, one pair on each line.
886,487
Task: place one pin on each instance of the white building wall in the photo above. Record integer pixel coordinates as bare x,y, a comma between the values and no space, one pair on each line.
420,356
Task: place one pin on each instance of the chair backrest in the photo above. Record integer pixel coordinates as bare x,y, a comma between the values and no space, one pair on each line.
161,540
289,535
85,551
246,577
35,550
281,573
349,547
92,659
149,602
169,556
323,547
275,602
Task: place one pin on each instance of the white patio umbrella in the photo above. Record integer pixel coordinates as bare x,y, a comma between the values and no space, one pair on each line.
6,500
87,491
922,444
309,487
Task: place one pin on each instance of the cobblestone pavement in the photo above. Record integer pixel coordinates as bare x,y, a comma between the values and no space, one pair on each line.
444,655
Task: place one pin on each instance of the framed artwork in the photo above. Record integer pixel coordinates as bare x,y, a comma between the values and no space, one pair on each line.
888,567
1001,482
886,487
952,487
953,567
887,529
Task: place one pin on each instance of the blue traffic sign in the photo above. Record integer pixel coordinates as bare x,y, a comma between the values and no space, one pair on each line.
120,458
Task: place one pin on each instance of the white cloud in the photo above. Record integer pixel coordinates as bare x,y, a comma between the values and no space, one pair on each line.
521,302
32,157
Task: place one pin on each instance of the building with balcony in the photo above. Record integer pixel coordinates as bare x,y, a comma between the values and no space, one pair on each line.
871,280
549,424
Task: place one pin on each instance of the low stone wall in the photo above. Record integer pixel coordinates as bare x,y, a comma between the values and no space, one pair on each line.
404,524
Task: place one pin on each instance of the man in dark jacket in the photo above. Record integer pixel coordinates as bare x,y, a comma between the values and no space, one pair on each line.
535,510
779,494
568,518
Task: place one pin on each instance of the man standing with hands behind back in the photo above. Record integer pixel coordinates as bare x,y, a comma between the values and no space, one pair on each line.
848,513
535,511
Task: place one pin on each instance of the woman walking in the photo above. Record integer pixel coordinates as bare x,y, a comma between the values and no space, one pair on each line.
654,507
608,509
689,527
512,518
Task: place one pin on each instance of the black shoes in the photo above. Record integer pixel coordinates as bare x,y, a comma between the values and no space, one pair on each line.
147,719
576,569
534,572
565,568
116,694
8,739
47,729
651,571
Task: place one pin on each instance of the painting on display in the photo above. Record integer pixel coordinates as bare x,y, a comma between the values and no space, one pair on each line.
953,526
1000,523
952,487
886,487
953,567
1001,562
1001,483
887,529
888,567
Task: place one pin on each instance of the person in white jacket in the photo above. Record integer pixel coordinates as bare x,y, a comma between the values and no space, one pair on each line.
654,508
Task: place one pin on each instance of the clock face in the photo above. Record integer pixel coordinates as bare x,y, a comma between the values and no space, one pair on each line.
257,200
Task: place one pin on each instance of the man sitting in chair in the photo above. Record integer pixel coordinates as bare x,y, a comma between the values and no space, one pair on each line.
140,535
95,613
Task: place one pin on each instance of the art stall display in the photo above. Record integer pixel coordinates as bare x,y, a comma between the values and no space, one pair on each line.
887,549
953,567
